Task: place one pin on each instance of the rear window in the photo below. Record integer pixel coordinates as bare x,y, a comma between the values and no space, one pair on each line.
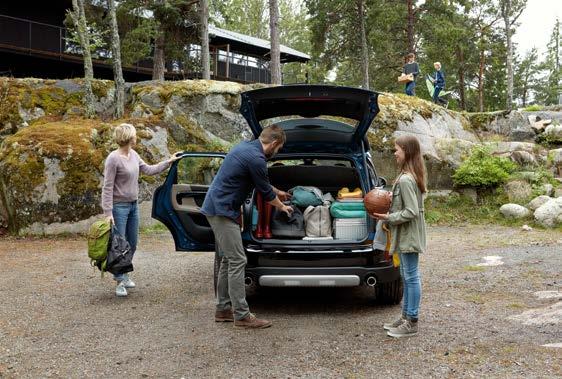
310,162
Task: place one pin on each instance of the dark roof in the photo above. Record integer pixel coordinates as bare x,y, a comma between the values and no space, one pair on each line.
251,45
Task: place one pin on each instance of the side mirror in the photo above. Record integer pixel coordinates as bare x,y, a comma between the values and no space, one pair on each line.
382,182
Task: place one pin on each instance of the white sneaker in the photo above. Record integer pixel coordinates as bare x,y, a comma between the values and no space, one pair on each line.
120,290
128,283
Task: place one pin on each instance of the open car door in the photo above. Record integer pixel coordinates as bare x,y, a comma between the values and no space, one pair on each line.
177,203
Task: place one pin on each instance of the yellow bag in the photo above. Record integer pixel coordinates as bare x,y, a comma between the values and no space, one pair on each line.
345,193
395,256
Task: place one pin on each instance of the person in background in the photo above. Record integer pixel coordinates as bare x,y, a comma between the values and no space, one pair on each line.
407,229
411,67
244,168
438,81
120,191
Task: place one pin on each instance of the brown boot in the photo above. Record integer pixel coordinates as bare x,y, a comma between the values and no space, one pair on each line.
224,316
252,322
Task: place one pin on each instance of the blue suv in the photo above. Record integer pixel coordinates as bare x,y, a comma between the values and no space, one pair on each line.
327,148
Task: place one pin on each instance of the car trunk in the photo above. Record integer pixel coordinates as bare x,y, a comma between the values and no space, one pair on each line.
329,179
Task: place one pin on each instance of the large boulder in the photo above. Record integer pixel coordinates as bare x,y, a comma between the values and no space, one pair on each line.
514,125
538,201
550,213
514,211
554,132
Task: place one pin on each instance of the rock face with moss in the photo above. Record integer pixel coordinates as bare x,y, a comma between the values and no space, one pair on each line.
51,157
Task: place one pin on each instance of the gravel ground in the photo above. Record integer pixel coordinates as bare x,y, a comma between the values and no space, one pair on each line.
59,319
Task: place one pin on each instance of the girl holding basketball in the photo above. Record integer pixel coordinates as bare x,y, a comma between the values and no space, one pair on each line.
407,228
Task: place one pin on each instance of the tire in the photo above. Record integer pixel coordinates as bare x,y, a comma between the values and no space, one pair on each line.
389,293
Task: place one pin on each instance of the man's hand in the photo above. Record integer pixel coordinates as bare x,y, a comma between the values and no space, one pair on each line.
111,220
283,196
287,209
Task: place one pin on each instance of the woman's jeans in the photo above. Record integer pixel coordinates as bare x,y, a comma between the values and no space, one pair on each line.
126,217
411,88
409,270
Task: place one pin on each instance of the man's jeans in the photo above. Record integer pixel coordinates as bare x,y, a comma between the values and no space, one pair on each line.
126,217
231,291
409,270
411,88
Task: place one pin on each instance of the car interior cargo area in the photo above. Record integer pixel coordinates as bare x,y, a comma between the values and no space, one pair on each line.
327,201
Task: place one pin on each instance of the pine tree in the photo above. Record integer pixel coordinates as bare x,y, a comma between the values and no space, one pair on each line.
275,55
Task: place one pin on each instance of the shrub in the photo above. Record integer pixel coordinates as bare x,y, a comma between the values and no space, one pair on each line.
534,108
482,169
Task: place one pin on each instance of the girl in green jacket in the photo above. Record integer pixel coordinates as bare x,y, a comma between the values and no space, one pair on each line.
407,227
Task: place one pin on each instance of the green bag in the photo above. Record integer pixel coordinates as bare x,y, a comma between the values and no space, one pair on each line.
355,209
98,242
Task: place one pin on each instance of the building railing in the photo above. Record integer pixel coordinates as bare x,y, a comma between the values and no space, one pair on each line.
44,39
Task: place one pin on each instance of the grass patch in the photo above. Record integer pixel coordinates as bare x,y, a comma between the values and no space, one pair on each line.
458,209
156,228
516,306
474,268
533,108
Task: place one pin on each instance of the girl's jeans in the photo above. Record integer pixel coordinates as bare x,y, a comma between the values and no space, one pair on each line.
126,217
410,273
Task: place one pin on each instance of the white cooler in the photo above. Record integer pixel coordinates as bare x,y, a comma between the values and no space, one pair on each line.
350,228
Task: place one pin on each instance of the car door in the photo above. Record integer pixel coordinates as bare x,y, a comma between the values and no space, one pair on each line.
177,203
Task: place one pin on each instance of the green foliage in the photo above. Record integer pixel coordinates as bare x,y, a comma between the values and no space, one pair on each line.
482,169
534,108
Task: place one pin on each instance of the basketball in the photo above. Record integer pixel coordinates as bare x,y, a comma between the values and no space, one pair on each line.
377,201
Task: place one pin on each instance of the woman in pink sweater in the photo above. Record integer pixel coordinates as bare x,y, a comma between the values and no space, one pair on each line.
120,190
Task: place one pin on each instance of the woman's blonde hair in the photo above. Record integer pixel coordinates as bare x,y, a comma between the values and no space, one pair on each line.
413,161
123,134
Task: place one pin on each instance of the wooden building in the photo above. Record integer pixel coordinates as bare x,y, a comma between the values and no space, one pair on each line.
35,43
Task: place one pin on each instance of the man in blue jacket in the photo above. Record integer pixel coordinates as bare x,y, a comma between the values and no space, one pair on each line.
438,81
244,168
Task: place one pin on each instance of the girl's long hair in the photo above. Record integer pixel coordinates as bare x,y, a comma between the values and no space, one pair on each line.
413,160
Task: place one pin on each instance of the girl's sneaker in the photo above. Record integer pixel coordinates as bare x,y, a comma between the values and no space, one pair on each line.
407,329
395,324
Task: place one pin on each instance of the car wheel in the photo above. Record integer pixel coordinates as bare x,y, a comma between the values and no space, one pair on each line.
389,293
217,267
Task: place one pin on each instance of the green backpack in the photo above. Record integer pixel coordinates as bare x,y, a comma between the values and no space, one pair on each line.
98,242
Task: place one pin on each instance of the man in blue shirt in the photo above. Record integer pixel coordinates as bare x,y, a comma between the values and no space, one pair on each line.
438,81
244,167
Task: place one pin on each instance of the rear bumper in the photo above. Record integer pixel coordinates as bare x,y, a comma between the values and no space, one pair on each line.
321,276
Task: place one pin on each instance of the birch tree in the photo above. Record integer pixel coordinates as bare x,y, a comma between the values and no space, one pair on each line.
116,57
275,63
510,12
204,17
78,16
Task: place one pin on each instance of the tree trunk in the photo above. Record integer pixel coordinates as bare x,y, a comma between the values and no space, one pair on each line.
364,47
159,61
410,26
506,11
117,69
205,61
481,80
275,64
79,19
460,60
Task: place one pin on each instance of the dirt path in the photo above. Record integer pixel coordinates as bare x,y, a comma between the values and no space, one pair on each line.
59,319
